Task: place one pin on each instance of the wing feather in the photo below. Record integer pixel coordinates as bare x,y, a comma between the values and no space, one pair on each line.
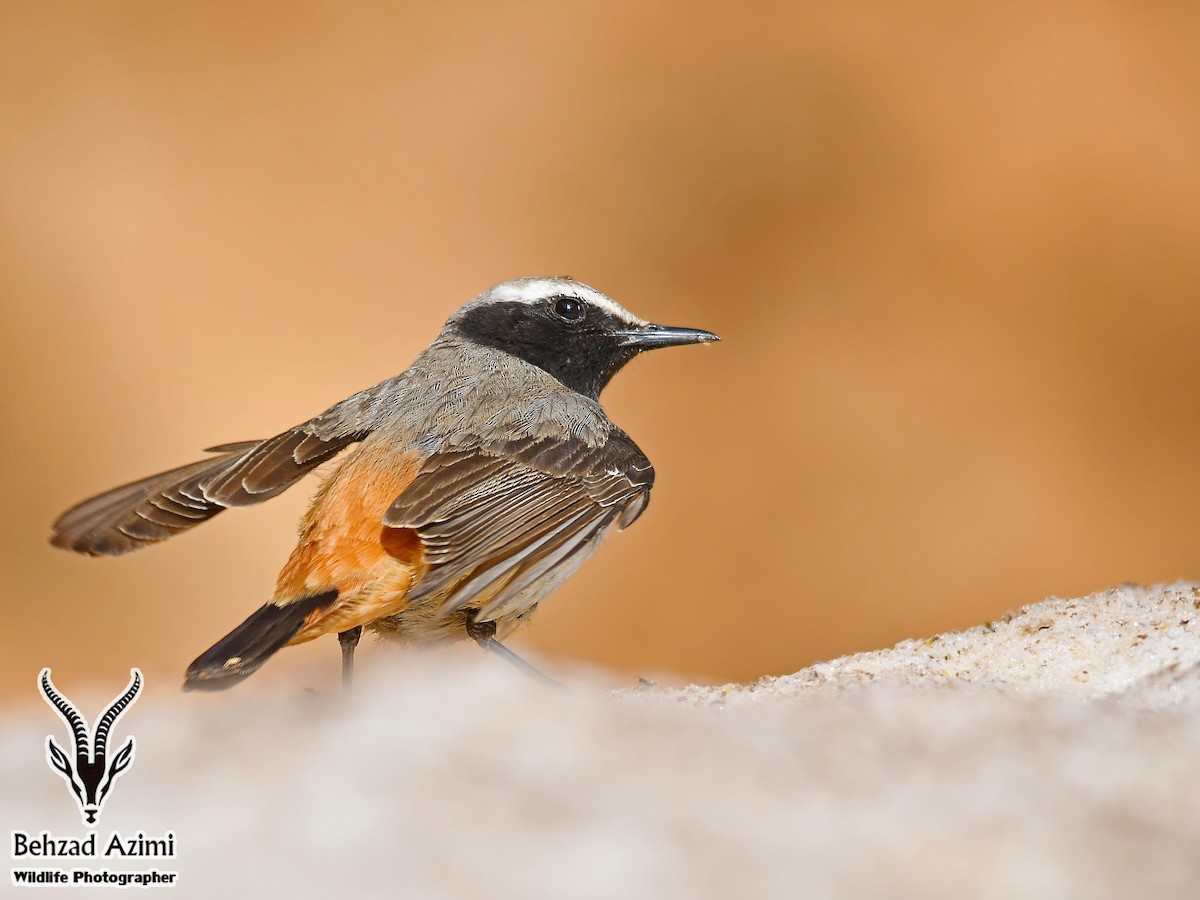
512,514
533,569
153,509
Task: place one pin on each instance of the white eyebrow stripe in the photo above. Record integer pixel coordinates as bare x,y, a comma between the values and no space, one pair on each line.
536,290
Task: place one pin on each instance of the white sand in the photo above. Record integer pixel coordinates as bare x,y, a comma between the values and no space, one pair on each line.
1053,754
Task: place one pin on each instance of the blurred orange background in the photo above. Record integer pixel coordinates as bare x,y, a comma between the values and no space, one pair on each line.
953,250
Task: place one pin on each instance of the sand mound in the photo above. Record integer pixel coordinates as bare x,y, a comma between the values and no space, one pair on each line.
1053,753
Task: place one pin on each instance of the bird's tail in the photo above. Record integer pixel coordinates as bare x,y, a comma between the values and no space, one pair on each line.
243,651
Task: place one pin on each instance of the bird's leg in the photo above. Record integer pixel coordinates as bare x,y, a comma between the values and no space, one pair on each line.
349,640
484,634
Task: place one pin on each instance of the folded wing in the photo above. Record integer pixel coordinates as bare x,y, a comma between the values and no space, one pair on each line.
495,520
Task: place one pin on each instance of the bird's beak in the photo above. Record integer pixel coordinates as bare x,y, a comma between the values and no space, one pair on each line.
650,337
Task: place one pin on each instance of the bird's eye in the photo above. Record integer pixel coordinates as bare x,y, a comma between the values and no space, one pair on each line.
569,308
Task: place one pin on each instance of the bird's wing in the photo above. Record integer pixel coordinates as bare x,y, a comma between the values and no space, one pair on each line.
493,520
153,509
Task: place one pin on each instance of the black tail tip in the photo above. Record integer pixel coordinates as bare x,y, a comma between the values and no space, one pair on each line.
211,681
243,651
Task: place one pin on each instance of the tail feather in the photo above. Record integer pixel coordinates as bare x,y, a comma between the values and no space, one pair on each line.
243,651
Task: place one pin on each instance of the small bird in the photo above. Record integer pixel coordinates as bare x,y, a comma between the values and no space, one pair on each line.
480,479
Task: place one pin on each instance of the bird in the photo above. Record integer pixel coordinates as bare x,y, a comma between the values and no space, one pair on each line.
466,489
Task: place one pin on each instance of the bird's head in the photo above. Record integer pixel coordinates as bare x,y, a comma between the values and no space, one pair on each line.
570,330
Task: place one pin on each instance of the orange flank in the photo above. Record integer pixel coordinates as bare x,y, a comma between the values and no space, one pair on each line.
344,545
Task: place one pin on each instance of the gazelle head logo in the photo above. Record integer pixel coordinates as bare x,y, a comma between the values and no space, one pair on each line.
92,775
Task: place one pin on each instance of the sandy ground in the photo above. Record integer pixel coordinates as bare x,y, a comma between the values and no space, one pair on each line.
1052,753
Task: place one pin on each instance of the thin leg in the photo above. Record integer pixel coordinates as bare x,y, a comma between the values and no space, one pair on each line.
484,634
349,640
